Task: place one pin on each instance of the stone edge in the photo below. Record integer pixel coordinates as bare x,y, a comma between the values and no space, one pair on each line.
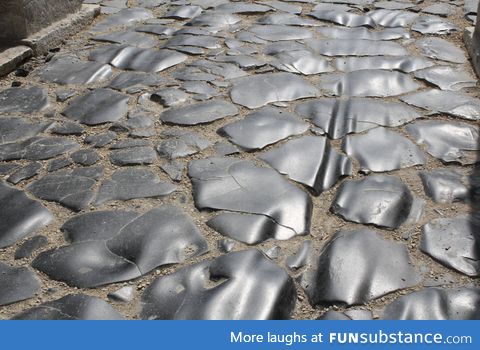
472,48
52,36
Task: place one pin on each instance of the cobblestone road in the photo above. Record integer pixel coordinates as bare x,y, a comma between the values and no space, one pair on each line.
207,159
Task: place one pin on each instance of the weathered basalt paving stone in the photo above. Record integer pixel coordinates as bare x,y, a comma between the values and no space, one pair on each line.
203,41
434,25
381,200
263,127
258,90
26,172
74,189
441,49
97,107
70,70
311,161
16,129
199,113
217,20
86,157
128,38
288,19
239,186
338,14
249,228
355,47
436,304
184,12
133,156
126,184
242,8
356,267
17,284
457,104
447,77
161,236
450,142
363,33
37,148
404,64
136,81
301,62
23,100
342,116
178,143
279,33
454,242
72,307
122,18
381,149
29,247
381,83
239,285
393,18
137,59
445,186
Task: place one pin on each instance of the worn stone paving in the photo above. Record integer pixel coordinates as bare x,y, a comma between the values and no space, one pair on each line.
211,159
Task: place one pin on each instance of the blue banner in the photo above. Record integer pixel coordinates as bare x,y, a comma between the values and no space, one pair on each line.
255,335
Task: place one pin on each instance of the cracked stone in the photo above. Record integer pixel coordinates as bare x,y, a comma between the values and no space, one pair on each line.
24,173
356,267
161,236
381,149
18,283
240,186
258,90
266,290
454,243
447,78
311,161
23,100
263,127
126,184
199,113
457,104
381,200
37,148
137,59
339,117
17,129
449,142
71,189
97,107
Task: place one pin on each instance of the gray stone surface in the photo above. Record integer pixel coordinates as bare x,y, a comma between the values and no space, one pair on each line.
220,159
20,18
